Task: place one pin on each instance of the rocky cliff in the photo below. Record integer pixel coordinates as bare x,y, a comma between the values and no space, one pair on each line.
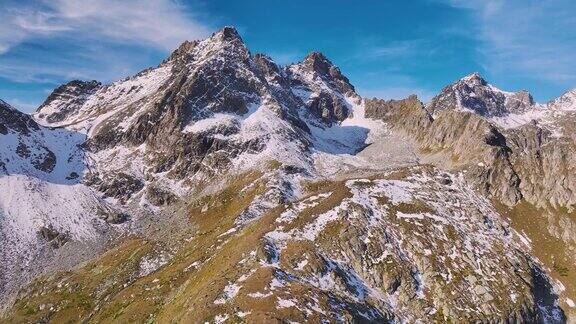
224,183
473,93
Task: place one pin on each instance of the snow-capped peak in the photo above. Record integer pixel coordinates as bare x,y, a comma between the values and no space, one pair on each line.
65,100
13,119
567,101
317,65
228,33
225,43
317,62
474,79
474,94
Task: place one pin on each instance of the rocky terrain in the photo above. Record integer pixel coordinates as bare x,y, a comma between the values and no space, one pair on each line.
222,187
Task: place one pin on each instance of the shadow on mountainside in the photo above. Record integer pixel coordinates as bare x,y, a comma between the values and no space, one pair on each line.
29,149
546,300
53,155
339,139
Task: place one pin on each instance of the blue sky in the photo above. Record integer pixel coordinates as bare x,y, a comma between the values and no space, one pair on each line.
388,49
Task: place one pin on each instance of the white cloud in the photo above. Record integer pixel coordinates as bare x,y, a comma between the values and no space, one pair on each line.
395,49
48,42
526,37
373,49
159,23
37,68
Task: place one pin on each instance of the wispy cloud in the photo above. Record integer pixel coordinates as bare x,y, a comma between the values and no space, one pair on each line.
393,86
159,23
50,65
397,62
527,38
48,42
394,50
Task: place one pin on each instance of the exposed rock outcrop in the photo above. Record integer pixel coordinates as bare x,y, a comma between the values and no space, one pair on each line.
211,163
66,100
473,93
546,164
322,87
458,141
12,119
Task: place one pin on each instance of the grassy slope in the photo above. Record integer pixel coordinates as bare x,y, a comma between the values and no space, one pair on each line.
556,254
109,288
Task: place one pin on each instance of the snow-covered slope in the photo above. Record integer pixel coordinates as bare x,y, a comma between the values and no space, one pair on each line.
554,116
566,102
508,110
65,100
416,244
43,203
95,153
52,155
472,93
134,156
211,106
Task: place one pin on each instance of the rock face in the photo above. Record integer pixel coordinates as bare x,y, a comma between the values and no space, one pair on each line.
14,120
260,193
406,114
215,82
474,94
416,244
52,236
66,100
462,140
565,102
24,144
517,159
472,143
380,265
45,210
509,164
545,164
322,87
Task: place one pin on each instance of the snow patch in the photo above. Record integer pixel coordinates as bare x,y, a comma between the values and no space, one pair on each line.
285,303
230,291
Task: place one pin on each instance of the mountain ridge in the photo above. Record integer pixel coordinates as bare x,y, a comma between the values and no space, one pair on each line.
216,145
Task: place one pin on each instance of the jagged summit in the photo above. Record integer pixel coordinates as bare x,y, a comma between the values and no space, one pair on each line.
15,120
322,87
226,39
220,176
474,78
217,74
224,47
183,51
210,104
317,63
228,33
5,105
6,108
567,101
65,99
473,93
271,71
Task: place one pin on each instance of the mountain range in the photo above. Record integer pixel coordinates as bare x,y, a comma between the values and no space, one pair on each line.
222,187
